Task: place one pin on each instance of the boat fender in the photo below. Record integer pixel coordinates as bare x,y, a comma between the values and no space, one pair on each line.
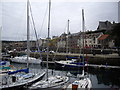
74,86
4,80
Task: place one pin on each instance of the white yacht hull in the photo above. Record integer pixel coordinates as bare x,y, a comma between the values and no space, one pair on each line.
80,84
21,83
23,59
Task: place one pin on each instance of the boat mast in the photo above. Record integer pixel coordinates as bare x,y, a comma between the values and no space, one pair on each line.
48,36
83,36
0,44
28,32
67,35
67,38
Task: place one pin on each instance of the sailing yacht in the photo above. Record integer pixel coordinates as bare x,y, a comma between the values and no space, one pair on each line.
23,59
21,77
83,81
53,80
70,62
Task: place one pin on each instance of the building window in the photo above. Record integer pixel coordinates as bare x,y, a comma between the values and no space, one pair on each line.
94,39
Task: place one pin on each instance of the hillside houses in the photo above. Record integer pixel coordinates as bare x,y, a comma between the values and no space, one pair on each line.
92,39
97,39
76,40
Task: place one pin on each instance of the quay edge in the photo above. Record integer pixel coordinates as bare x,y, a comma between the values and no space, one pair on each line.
99,59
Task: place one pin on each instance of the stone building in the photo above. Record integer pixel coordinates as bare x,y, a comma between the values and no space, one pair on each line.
61,43
106,25
91,40
106,41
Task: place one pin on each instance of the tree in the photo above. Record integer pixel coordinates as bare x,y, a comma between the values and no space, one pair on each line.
116,34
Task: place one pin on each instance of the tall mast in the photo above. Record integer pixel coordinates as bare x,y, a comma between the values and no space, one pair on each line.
28,34
67,35
83,28
48,36
0,44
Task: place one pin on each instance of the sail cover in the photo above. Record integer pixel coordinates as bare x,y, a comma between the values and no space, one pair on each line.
21,70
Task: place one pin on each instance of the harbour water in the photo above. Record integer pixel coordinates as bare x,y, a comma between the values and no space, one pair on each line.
101,78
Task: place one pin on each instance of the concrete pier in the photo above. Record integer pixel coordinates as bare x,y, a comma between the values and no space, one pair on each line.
110,59
98,59
90,65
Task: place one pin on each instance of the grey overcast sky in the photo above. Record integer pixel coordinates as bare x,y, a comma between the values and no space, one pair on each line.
13,15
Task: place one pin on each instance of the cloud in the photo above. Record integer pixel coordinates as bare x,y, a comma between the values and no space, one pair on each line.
14,17
61,0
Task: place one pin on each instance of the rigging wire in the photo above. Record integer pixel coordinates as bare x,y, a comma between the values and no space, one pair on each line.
61,38
35,31
44,18
59,45
42,23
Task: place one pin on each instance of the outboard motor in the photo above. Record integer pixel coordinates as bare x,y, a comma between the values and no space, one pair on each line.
13,79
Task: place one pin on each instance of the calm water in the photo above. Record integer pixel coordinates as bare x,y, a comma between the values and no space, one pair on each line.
100,78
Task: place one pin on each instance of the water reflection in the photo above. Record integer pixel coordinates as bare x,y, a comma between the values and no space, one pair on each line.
107,77
101,78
